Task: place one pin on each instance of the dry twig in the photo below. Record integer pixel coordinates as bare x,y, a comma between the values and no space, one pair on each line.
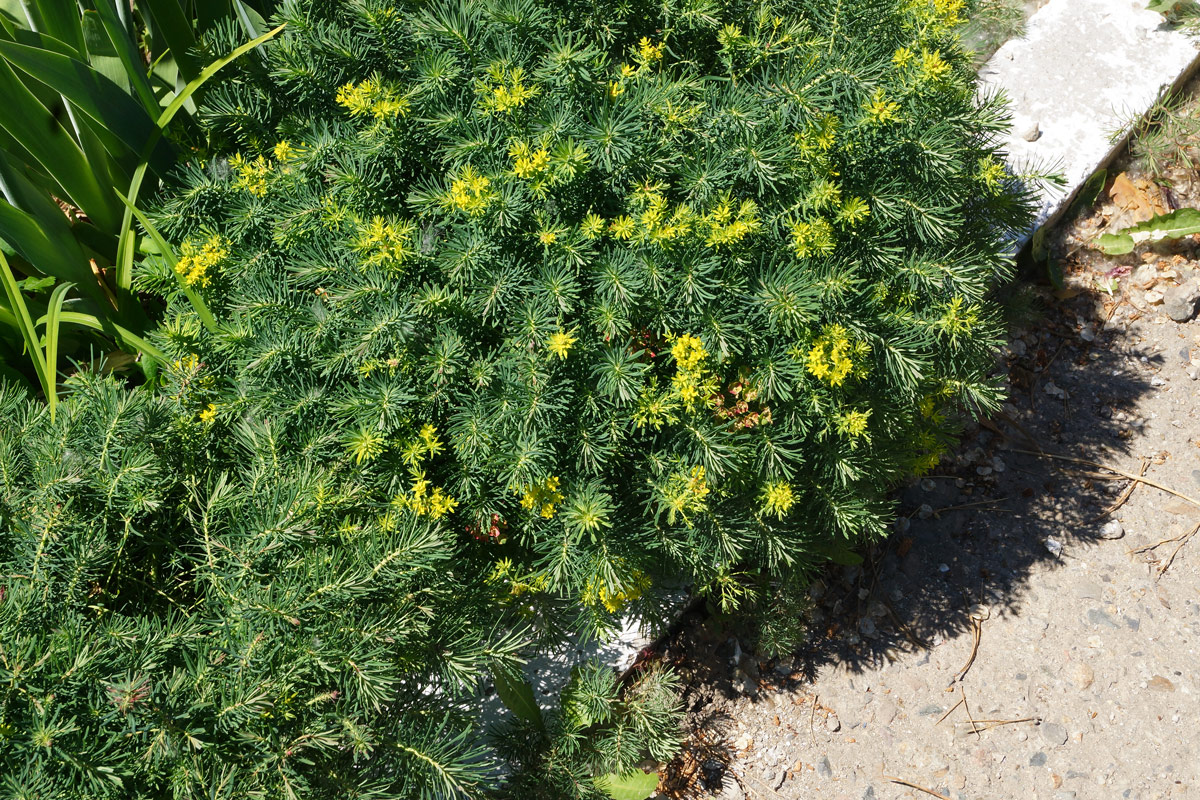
948,712
1120,501
1121,472
912,785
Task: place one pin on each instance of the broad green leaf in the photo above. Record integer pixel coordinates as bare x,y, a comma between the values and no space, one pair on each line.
517,695
1183,222
839,554
128,337
1090,191
94,95
130,57
1054,273
42,134
101,53
60,19
53,310
636,785
16,304
1163,6
171,24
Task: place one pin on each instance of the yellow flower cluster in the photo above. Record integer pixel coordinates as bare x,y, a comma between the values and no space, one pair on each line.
423,501
527,162
882,110
544,497
777,498
469,192
958,317
727,226
689,382
372,97
426,445
648,52
385,243
991,173
831,357
560,343
209,415
505,89
655,408
251,176
596,594
933,66
197,261
818,136
684,493
852,423
812,237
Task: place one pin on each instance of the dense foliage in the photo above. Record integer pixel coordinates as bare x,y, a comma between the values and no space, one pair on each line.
512,311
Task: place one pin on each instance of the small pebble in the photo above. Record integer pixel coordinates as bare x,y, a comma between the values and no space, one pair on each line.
1053,734
824,769
1053,546
1153,297
1082,676
925,511
832,723
1032,134
1112,529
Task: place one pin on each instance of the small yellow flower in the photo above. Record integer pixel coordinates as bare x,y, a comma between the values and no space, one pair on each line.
778,498
688,352
933,66
197,261
829,359
881,110
902,57
560,343
547,237
544,497
285,152
621,227
592,226
429,438
209,414
853,423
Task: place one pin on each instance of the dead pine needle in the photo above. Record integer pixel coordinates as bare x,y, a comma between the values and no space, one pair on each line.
812,716
967,708
912,785
1115,471
1120,501
949,711
977,632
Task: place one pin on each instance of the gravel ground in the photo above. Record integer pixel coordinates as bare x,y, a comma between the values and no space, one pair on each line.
1013,638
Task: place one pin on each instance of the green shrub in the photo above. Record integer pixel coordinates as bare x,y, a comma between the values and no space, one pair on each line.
522,310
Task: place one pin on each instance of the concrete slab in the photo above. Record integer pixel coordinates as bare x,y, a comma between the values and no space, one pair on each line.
1082,74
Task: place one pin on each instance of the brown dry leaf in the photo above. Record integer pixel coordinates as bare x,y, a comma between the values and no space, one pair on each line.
1140,198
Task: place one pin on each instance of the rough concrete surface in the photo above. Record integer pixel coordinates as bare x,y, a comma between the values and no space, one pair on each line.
1084,70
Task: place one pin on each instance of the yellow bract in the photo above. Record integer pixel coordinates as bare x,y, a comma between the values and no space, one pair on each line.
423,501
505,90
684,494
470,192
385,243
544,497
634,585
881,110
250,175
777,498
853,423
829,359
193,268
374,98
560,343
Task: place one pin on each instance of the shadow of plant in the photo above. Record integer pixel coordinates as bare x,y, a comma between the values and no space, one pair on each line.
969,535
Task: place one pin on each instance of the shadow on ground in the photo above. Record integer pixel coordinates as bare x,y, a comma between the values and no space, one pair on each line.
969,535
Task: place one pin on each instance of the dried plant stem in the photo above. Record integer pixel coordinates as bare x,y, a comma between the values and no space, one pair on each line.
912,785
1120,501
1121,472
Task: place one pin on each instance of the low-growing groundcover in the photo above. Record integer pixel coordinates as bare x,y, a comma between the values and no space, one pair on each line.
512,311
